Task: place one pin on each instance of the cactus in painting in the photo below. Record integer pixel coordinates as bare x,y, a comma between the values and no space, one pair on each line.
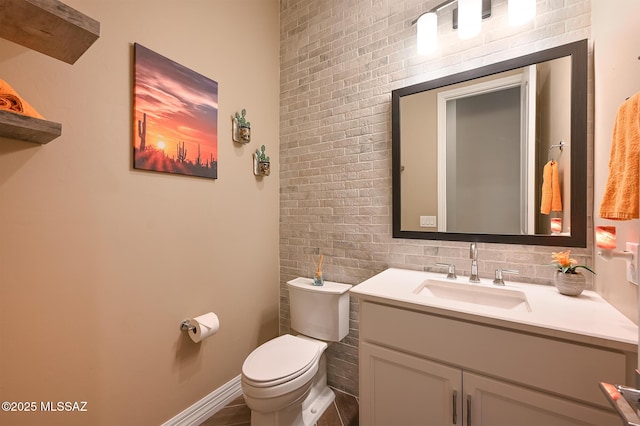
181,151
142,132
198,159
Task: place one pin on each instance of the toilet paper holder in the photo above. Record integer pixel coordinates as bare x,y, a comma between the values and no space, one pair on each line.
186,325
201,327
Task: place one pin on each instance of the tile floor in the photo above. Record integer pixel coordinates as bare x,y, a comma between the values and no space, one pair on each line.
343,412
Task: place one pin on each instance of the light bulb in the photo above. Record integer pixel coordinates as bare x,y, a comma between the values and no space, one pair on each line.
427,33
521,11
469,18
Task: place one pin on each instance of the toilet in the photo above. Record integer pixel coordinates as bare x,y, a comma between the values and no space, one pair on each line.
284,381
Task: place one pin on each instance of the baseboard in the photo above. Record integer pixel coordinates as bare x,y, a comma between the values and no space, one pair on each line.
209,405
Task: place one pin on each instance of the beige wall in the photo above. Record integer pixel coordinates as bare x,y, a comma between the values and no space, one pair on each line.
419,159
617,77
99,263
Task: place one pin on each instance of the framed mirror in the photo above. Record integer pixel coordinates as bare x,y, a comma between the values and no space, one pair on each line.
495,154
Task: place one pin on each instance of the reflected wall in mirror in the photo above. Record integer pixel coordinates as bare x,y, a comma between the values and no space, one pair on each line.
478,155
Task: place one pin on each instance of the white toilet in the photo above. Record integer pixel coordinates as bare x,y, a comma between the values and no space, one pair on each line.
284,380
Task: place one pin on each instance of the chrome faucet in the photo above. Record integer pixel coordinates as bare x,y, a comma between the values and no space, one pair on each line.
451,274
498,280
473,255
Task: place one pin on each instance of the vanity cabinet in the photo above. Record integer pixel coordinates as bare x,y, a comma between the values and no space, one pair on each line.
400,389
492,402
418,368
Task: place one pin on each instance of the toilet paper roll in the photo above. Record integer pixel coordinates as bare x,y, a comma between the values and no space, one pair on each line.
206,325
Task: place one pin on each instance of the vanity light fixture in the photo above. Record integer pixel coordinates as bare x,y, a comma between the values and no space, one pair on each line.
521,12
467,19
427,33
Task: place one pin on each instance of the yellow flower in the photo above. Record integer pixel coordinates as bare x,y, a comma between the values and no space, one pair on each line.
565,264
563,259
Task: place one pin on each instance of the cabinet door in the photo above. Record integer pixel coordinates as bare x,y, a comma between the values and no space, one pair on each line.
402,390
496,403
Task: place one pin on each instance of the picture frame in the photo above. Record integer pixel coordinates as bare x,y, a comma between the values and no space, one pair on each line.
175,112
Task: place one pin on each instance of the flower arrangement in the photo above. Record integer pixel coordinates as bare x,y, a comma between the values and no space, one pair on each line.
565,264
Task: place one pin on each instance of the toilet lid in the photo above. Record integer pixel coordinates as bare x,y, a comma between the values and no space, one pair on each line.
280,358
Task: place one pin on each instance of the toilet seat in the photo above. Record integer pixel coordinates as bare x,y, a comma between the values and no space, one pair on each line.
281,360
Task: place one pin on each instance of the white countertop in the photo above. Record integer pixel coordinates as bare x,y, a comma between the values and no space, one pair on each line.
587,318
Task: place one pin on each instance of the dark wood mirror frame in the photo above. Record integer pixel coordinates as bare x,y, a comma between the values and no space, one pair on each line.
578,51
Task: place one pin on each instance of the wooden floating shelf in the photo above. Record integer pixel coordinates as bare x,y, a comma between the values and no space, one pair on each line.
48,26
30,129
54,29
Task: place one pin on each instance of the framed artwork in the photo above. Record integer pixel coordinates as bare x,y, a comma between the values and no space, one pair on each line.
175,117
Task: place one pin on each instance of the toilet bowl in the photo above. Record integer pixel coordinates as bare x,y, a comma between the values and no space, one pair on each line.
279,377
284,380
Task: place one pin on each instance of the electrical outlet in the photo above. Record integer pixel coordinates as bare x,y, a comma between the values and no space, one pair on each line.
428,221
632,265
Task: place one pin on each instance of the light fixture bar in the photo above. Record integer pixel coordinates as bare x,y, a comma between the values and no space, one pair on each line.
474,11
442,5
436,9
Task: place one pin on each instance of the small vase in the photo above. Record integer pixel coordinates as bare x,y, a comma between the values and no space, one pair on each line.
245,134
569,284
318,279
264,167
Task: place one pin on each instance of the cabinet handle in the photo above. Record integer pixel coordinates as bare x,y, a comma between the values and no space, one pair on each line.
468,410
455,407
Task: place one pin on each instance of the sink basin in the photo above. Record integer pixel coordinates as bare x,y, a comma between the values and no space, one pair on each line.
496,297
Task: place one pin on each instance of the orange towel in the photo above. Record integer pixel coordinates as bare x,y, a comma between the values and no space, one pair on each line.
551,198
11,101
620,200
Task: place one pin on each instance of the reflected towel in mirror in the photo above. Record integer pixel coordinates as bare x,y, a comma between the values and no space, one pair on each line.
551,199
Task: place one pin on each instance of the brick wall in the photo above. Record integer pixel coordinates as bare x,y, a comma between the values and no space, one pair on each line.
340,60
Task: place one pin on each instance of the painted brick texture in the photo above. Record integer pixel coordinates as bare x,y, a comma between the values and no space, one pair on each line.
340,60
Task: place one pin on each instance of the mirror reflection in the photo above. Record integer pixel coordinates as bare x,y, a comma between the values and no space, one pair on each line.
495,154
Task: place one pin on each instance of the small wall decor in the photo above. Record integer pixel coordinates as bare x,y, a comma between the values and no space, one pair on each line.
261,163
176,113
241,129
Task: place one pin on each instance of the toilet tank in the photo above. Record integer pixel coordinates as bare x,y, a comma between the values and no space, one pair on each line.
321,312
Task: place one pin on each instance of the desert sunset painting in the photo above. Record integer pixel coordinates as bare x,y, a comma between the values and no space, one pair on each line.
175,117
